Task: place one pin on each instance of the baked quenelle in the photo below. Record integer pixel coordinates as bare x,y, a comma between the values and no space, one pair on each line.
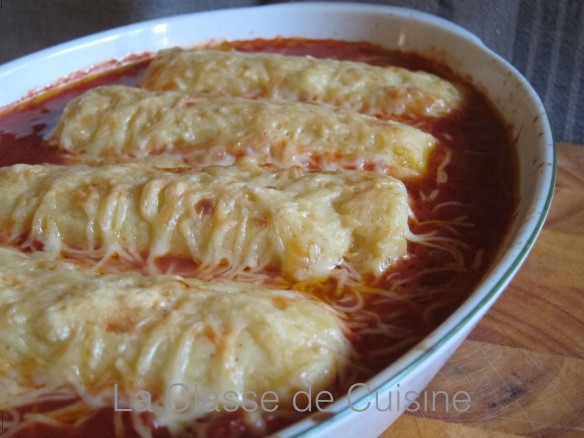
124,123
84,334
242,217
387,91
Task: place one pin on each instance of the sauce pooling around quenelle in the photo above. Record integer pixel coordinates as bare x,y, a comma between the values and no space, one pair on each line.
461,209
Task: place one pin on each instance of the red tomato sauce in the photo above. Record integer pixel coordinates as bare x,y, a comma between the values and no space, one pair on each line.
478,201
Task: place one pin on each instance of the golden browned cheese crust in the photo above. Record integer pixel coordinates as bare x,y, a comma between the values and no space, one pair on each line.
72,330
244,216
117,123
378,91
247,174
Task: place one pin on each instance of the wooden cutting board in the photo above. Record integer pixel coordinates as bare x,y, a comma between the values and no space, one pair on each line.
523,365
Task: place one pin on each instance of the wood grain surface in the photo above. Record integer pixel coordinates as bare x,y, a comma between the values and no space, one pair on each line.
523,365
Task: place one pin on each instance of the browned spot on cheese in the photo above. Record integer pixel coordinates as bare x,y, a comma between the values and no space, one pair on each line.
120,325
212,334
260,222
205,206
280,303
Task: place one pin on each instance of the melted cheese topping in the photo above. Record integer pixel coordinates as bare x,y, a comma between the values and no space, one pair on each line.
378,91
244,216
74,332
117,123
66,327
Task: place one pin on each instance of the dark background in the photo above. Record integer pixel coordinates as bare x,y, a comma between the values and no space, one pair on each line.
544,39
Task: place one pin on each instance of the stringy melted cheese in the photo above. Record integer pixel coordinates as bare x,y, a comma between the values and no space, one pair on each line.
243,216
117,123
72,328
378,91
71,332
